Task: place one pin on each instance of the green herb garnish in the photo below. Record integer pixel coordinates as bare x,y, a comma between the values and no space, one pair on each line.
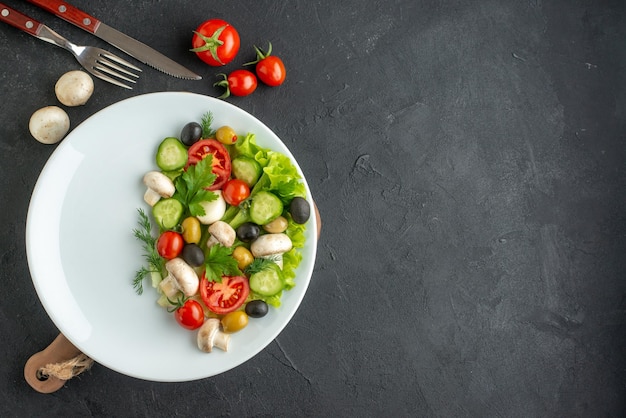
219,262
207,121
190,186
152,257
260,264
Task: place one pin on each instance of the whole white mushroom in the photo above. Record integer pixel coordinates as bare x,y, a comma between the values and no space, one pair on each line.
49,124
74,88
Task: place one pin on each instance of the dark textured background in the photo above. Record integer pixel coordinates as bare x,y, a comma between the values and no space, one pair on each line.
468,160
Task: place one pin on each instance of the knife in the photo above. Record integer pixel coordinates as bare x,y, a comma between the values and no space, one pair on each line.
116,38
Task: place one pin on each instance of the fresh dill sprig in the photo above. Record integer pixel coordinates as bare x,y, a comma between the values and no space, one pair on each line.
152,257
260,264
207,121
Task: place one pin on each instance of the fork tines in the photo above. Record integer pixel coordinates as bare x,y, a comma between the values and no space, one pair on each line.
107,65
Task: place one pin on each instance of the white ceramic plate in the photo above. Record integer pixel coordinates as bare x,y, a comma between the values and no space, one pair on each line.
83,256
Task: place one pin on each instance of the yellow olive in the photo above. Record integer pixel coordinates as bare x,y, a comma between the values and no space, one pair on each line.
226,135
277,226
234,321
191,230
243,256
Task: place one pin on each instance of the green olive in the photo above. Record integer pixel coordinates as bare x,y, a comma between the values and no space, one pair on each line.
191,230
234,321
243,256
226,135
277,226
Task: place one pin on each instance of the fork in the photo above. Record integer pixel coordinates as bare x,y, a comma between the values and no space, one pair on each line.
97,61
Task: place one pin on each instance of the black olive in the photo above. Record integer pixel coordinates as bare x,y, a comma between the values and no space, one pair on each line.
300,210
193,255
248,232
191,133
256,308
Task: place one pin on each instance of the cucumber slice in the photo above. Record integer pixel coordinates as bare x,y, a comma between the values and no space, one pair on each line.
267,282
167,213
171,155
246,169
265,207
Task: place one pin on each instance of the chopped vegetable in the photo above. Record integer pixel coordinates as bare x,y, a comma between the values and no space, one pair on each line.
228,245
171,155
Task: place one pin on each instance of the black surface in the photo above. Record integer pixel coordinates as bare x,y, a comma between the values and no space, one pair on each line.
468,161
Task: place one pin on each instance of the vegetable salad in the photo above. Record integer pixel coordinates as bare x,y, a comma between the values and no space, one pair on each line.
231,217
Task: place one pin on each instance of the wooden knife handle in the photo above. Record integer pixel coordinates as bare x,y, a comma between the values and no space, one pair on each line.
19,20
69,13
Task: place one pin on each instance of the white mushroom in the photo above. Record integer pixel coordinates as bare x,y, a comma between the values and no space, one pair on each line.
210,336
214,210
74,88
181,276
271,246
159,185
221,233
49,124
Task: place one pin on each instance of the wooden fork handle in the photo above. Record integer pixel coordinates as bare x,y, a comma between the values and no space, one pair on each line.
69,13
19,20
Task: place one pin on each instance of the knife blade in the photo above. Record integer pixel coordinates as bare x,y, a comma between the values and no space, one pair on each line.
129,45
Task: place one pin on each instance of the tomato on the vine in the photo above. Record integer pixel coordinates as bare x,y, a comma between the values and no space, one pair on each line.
224,297
216,42
170,244
237,83
190,315
235,191
269,68
221,159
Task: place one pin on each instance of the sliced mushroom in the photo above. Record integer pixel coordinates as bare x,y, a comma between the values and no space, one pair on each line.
181,276
221,233
210,336
159,185
271,246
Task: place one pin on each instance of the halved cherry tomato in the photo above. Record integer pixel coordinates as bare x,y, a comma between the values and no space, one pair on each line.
216,42
237,83
170,244
190,315
235,191
226,296
221,159
269,68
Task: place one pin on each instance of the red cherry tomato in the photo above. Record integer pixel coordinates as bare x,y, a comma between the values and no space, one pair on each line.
216,42
170,244
221,159
269,68
190,315
271,71
224,297
238,83
235,191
